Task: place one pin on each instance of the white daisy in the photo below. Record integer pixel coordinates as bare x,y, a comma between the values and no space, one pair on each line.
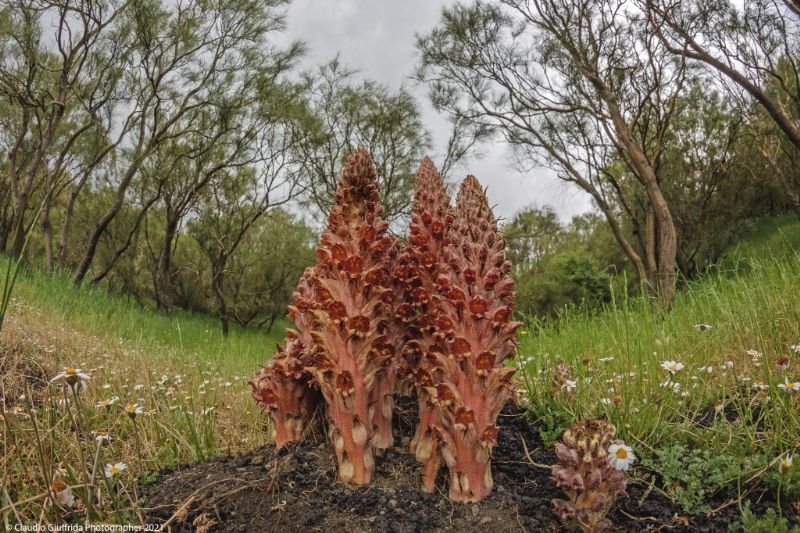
569,385
112,470
621,456
789,386
672,366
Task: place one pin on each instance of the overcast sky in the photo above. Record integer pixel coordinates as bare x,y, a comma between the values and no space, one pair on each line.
377,37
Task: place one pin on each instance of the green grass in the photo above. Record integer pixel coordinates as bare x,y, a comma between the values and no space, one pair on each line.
752,302
185,337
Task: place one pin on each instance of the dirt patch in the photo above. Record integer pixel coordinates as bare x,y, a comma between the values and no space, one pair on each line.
296,490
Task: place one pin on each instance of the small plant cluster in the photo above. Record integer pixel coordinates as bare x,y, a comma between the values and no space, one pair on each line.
374,316
589,470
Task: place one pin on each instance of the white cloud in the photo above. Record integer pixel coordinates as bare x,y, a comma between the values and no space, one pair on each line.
377,37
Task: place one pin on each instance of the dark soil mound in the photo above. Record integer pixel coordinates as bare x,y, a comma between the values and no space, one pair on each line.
296,490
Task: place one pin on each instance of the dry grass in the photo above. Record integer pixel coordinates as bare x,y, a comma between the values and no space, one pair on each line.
191,411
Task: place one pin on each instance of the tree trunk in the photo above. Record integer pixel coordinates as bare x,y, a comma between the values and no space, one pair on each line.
650,251
63,244
18,225
218,285
122,249
105,220
47,229
164,268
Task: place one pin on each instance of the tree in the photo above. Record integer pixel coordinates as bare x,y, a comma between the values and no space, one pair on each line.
228,209
346,114
557,265
752,47
56,84
192,60
573,86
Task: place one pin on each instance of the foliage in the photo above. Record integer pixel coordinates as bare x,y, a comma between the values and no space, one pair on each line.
691,475
557,266
771,522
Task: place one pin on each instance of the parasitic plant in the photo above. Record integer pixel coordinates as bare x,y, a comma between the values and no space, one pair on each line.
353,362
587,473
418,269
284,387
468,381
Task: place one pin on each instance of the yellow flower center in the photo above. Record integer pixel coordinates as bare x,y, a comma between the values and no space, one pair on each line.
622,453
70,371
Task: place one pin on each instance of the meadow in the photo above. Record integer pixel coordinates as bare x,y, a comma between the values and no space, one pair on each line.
700,392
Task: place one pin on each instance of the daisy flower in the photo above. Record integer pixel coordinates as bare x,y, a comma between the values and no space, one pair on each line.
112,470
760,385
569,385
754,354
795,348
134,410
671,385
672,366
73,377
621,456
107,403
789,386
728,364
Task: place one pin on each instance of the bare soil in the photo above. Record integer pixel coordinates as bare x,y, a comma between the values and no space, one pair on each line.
296,490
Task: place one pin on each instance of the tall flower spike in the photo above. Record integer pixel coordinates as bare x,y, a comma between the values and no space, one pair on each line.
354,360
283,387
470,383
420,265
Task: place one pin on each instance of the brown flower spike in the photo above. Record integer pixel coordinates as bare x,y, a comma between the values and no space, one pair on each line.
354,357
585,475
469,383
284,386
419,267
